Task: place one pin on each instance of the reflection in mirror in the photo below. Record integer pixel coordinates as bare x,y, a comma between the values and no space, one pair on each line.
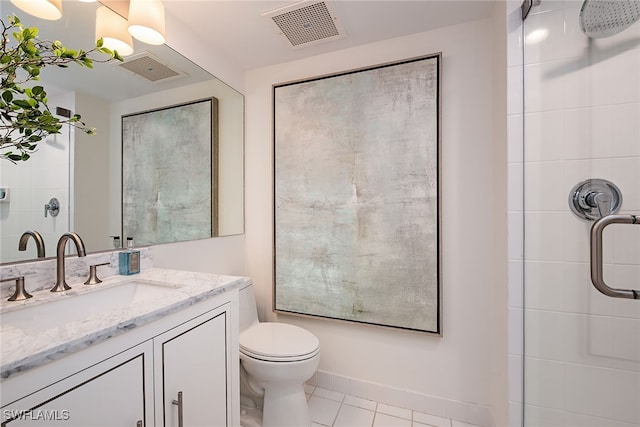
84,172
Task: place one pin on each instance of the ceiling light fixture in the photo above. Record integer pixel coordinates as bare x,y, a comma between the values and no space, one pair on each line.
113,30
44,9
146,21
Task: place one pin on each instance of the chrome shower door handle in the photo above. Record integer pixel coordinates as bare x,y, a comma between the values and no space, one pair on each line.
597,260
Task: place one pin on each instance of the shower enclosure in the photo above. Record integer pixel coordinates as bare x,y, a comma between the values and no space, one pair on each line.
581,159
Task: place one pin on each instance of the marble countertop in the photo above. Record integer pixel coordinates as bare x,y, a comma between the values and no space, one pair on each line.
23,347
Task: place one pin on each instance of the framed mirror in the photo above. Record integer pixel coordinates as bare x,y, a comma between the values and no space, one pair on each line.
84,172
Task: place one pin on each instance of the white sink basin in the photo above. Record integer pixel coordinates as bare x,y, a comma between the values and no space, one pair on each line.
72,308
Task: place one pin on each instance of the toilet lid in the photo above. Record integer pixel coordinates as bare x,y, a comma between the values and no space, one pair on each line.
278,341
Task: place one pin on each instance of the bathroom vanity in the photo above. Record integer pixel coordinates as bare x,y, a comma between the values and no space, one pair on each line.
156,349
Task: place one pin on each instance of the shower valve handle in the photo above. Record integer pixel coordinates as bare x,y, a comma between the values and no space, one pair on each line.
53,207
601,201
594,199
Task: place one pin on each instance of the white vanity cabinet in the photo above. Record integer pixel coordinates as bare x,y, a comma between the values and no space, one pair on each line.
139,377
191,363
110,393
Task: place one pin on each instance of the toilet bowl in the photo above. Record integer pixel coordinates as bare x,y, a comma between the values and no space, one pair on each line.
276,359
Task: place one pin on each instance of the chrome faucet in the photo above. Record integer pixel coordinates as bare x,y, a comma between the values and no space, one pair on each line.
22,245
61,284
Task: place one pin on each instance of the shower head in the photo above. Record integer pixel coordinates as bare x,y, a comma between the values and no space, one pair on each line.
605,18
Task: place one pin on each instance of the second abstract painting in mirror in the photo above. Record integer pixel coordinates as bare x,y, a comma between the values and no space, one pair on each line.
160,201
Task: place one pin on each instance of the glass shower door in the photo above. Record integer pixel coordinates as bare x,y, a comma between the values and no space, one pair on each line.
582,142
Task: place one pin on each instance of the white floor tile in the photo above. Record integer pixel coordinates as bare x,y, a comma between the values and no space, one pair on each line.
384,420
395,411
328,394
350,416
431,420
455,423
334,409
323,411
360,402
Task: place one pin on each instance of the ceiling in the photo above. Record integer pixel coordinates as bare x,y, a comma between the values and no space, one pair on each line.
236,29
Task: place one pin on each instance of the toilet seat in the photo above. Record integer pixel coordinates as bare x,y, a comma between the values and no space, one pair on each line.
278,342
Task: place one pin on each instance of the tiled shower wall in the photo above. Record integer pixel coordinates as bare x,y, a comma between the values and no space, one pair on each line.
31,185
515,211
581,121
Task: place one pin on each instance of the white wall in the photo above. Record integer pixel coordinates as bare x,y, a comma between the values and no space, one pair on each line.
90,190
499,250
458,366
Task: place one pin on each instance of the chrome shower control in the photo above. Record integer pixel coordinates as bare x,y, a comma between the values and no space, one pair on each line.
595,198
53,207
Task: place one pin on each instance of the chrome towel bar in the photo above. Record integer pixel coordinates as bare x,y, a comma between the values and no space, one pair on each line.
596,256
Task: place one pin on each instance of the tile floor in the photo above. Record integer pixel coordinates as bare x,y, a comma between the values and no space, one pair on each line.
333,409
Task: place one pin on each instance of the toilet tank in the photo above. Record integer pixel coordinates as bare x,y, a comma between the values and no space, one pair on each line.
248,308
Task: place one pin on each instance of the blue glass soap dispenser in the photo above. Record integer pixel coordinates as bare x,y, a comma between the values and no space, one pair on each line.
129,259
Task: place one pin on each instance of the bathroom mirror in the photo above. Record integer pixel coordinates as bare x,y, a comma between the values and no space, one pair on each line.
84,172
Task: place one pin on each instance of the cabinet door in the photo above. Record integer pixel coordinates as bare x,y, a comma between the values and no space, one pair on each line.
193,359
110,393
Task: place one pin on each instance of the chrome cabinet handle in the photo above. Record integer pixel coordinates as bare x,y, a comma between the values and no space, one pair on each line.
596,256
180,409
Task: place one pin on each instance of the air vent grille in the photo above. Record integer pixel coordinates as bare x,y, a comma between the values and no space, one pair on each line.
307,22
149,68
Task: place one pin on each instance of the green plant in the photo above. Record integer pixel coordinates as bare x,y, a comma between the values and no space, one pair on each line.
25,118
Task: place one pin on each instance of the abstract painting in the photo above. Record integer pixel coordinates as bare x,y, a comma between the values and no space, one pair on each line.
356,197
169,170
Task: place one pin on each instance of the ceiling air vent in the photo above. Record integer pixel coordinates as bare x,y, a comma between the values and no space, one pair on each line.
306,22
149,67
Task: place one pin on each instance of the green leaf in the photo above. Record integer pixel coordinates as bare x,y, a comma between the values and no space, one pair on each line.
22,103
29,48
17,35
30,33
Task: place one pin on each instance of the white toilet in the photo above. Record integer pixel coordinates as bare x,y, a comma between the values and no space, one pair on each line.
275,361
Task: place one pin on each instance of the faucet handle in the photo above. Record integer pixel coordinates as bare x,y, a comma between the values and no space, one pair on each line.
93,278
53,207
20,292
